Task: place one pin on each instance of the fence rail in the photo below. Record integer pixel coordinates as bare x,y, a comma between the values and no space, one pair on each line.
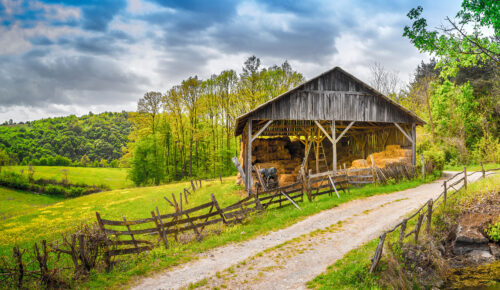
425,212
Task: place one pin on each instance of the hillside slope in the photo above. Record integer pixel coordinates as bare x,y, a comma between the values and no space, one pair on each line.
99,136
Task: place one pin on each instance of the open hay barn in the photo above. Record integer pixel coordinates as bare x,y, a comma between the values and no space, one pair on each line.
330,122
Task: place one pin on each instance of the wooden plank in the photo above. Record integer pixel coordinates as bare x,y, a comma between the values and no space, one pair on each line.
324,131
237,164
333,184
123,223
261,130
404,133
130,242
343,132
128,251
187,228
291,200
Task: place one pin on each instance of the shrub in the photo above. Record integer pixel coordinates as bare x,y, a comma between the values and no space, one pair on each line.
487,150
493,231
434,158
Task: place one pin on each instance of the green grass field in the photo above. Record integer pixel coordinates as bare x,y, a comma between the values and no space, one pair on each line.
51,221
115,178
16,202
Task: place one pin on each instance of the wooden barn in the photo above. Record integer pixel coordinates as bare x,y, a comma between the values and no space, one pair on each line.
335,116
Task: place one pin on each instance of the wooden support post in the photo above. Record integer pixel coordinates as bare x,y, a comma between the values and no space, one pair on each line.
429,216
445,193
309,189
334,146
249,158
422,160
193,186
402,231
414,144
482,169
465,178
220,177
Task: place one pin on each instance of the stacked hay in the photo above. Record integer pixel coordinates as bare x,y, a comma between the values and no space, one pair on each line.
265,150
281,153
393,154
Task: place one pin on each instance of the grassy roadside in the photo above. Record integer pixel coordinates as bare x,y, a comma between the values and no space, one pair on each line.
352,271
472,167
135,267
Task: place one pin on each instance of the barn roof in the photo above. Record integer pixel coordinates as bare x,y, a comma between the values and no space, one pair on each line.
329,89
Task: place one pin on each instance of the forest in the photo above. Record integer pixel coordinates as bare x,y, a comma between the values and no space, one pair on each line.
188,130
90,140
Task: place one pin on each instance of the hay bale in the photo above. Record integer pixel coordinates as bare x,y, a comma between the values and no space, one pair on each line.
359,163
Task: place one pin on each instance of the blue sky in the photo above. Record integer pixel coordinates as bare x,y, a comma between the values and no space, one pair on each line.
72,57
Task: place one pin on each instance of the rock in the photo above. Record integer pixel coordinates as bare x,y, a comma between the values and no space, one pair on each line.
495,250
469,239
480,256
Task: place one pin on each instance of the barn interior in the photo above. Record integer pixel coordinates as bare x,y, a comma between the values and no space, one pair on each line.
283,144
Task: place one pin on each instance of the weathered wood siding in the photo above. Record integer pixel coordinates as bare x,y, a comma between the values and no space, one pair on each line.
332,96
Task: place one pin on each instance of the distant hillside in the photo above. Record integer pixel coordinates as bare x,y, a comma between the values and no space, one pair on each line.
47,141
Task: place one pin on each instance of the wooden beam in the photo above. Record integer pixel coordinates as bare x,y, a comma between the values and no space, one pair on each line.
324,131
404,133
334,147
249,158
343,132
261,130
414,145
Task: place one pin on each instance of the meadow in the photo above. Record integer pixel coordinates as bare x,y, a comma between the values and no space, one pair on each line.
29,218
114,178
16,202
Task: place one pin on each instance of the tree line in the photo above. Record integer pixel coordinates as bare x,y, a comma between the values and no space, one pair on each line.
89,140
188,130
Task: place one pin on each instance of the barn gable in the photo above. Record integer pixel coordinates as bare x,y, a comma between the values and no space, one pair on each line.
333,95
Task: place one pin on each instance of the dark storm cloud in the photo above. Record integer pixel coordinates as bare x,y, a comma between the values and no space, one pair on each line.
84,80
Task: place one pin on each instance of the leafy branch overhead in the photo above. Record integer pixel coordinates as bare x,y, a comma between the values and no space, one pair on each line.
471,37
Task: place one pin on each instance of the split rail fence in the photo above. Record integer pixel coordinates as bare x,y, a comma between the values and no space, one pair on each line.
130,236
425,212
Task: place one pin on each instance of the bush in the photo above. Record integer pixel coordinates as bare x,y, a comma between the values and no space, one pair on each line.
434,158
487,150
47,186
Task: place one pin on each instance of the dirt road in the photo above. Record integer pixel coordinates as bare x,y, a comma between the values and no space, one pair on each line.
288,258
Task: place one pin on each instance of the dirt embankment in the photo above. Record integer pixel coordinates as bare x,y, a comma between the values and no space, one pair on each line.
459,254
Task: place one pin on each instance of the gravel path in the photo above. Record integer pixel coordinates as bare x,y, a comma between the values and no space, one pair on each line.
311,245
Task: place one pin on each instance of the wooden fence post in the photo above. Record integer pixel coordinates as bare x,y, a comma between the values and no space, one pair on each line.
220,177
465,178
378,253
159,227
192,185
422,160
402,231
417,227
374,176
445,193
216,204
429,216
482,170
